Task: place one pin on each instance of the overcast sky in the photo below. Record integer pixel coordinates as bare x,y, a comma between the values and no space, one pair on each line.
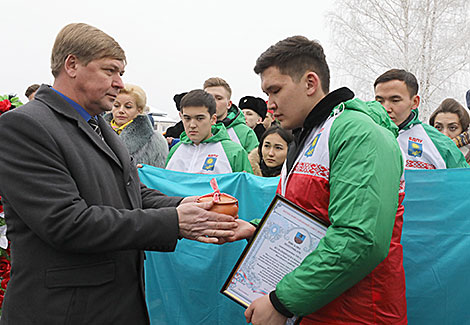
171,46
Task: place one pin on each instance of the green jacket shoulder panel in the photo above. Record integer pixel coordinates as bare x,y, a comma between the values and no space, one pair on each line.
247,137
245,134
172,151
374,110
237,156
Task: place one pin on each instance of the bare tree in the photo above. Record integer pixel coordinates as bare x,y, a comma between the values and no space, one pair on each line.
430,38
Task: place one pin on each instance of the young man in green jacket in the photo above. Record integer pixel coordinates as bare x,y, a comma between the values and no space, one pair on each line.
205,147
230,115
344,167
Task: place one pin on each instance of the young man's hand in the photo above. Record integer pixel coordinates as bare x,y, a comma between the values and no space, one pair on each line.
244,230
262,312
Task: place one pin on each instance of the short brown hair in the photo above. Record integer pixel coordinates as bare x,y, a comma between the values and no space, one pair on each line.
31,89
399,74
86,42
450,105
294,56
199,98
216,82
138,94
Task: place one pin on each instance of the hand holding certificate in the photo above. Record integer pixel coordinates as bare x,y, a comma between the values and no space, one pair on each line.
285,236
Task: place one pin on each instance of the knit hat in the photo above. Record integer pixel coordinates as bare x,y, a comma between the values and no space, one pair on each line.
254,103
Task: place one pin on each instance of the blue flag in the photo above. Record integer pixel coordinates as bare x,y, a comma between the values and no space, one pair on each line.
183,286
436,244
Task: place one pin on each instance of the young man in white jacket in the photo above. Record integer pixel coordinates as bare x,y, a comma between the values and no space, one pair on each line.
423,146
205,146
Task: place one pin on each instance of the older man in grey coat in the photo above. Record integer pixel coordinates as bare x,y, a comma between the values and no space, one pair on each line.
77,215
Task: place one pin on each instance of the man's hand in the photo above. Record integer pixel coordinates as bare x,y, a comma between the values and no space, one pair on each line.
262,312
245,230
196,223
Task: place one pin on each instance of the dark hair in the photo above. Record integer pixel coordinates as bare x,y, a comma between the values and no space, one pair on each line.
197,98
450,105
285,135
399,74
31,89
294,56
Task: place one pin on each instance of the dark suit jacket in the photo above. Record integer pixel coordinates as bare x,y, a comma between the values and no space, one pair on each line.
78,219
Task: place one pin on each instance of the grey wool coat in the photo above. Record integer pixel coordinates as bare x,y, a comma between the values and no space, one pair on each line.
144,144
78,219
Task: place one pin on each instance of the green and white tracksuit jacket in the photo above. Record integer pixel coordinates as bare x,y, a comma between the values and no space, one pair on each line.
215,155
424,147
345,168
238,131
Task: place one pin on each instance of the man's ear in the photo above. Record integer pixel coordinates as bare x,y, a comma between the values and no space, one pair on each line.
213,119
229,104
312,82
71,65
415,101
181,115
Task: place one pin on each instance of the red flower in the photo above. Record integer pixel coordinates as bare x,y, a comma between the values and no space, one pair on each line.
5,105
4,267
5,282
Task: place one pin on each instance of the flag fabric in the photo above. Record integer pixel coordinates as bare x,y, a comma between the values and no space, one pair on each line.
183,287
436,244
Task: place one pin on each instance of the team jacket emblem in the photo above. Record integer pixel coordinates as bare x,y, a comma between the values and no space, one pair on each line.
312,146
415,148
209,163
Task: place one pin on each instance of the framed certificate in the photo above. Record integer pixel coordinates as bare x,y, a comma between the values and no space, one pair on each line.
285,236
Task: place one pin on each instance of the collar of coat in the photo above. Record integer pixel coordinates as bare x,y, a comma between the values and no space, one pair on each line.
112,146
317,116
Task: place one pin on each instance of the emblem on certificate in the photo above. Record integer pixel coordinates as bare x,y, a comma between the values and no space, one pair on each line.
284,237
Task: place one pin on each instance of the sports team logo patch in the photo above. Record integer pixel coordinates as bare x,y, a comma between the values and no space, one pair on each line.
299,238
415,149
209,163
311,149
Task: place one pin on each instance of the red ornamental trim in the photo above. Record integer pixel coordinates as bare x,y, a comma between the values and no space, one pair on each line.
312,169
402,185
419,164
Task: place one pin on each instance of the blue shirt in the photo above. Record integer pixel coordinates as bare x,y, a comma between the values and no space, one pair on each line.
77,107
